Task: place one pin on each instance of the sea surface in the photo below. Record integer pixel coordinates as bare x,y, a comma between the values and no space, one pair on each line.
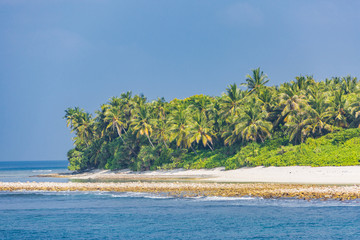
110,215
26,171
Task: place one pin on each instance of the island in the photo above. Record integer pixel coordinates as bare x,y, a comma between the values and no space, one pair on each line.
299,123
299,140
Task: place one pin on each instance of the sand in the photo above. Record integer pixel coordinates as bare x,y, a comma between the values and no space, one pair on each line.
294,174
302,182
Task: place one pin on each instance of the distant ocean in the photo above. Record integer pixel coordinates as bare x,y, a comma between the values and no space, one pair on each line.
23,171
110,215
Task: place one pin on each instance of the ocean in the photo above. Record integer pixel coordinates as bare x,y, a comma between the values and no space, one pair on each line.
110,215
24,171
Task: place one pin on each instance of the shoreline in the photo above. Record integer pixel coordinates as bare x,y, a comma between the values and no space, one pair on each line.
294,174
180,189
300,182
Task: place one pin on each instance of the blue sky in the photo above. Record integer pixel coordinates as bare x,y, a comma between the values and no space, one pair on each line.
58,54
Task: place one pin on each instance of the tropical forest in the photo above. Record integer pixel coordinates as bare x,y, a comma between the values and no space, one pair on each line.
301,122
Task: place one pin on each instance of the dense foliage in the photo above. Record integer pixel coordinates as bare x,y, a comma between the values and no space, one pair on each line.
302,122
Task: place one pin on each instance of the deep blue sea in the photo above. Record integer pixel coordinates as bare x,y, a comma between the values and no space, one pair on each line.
109,215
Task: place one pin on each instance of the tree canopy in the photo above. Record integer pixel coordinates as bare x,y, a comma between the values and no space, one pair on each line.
131,132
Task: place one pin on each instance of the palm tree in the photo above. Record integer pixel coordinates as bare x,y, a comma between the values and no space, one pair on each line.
253,127
256,81
101,124
159,108
267,98
230,101
250,125
204,105
349,84
82,123
297,127
291,101
355,113
161,130
318,121
228,132
138,100
339,109
332,84
318,113
179,127
202,129
303,83
126,106
115,119
141,122
85,128
70,116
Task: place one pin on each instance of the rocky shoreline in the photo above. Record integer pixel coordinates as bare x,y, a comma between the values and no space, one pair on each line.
181,189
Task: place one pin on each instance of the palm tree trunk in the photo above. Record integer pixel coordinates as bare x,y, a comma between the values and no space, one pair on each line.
166,144
210,146
150,141
193,149
122,139
119,132
125,142
253,149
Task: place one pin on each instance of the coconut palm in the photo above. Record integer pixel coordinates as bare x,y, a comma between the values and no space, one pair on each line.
115,119
70,116
85,130
101,124
318,121
291,100
297,127
202,130
267,99
228,132
81,123
339,109
141,122
126,106
256,81
204,105
179,129
230,102
253,127
161,130
159,108
349,84
303,83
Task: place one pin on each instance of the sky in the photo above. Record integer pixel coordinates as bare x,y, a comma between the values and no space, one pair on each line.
59,54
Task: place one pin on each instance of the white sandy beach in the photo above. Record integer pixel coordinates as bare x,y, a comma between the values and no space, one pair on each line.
294,174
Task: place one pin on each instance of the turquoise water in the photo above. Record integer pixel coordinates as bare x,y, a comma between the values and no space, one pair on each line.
23,171
109,215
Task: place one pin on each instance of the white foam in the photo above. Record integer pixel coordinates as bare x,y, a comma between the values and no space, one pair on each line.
42,171
215,198
139,195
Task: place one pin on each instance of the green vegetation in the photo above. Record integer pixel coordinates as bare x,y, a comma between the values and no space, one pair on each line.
302,122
